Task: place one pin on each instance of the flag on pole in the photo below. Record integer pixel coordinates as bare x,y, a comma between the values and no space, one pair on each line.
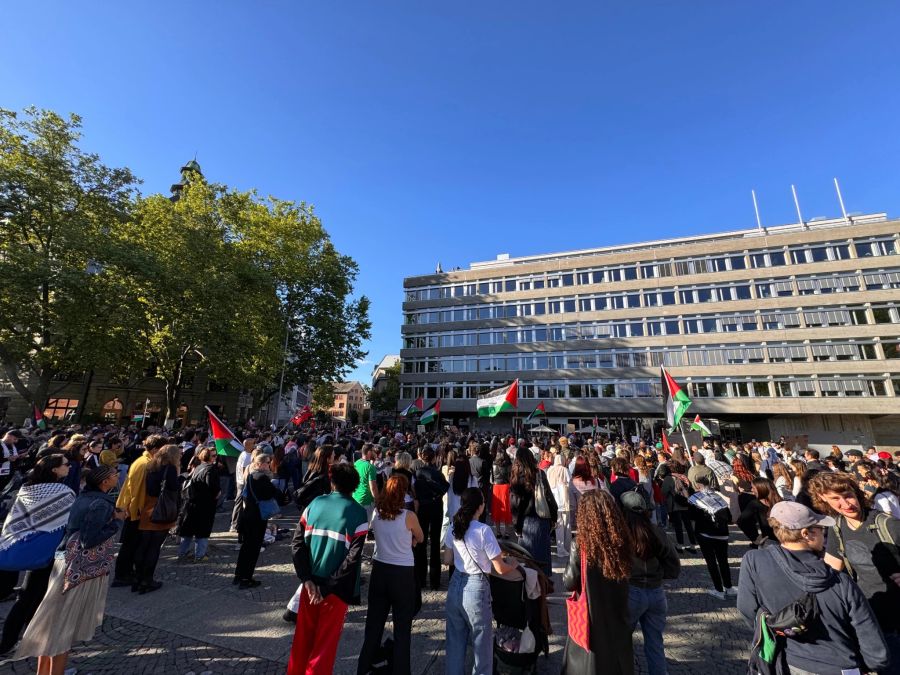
301,416
665,441
415,406
39,418
226,442
676,402
431,414
539,411
499,400
596,424
697,425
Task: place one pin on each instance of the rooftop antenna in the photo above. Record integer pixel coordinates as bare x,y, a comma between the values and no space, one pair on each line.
756,209
797,204
837,188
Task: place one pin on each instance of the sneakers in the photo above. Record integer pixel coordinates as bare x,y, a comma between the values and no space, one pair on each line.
187,557
733,591
249,583
718,595
202,559
118,583
289,616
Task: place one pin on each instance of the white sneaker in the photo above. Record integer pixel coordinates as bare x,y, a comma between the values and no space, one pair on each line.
733,591
719,595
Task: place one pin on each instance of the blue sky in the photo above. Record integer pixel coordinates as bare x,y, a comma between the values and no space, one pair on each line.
451,132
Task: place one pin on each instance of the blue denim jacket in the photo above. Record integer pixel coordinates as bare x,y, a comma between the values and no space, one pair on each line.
92,518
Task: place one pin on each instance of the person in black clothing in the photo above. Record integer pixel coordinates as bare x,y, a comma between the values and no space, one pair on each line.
501,514
533,531
711,516
755,506
316,481
431,486
480,464
162,475
621,479
198,510
251,525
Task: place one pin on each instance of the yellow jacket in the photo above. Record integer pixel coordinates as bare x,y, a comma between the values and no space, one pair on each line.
134,491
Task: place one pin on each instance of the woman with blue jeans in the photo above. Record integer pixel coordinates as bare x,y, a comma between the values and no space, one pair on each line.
654,558
474,551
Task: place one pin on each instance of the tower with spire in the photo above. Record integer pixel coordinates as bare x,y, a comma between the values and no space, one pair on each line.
187,171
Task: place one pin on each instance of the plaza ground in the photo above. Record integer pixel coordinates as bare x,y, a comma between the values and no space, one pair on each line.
199,623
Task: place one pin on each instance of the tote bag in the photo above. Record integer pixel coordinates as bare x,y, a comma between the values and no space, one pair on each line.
577,612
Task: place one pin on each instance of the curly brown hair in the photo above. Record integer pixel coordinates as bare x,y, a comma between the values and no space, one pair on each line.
842,483
603,535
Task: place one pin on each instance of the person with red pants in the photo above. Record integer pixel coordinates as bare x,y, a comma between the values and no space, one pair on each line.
327,550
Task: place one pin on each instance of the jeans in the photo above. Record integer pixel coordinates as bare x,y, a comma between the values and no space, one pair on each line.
469,616
185,546
715,553
647,607
662,515
563,533
535,539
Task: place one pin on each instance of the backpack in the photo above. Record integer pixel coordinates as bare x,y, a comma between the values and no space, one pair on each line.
880,527
683,489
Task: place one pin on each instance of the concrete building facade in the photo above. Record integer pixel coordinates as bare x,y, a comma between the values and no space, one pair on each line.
791,330
348,396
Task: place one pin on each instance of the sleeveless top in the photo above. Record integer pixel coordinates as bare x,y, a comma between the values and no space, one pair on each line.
393,541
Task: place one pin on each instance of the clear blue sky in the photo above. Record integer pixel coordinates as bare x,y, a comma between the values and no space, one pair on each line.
451,132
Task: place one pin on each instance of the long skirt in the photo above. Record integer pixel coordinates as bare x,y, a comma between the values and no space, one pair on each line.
536,540
62,620
500,511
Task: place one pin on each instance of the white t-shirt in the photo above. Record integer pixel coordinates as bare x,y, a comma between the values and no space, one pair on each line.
243,462
473,553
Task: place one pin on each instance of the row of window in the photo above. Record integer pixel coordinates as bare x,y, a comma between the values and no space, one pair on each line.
754,259
781,287
828,386
787,352
853,315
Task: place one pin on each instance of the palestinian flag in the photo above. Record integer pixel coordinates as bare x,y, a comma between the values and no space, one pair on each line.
301,416
539,411
697,425
665,443
676,402
39,418
226,442
431,414
596,424
415,406
499,400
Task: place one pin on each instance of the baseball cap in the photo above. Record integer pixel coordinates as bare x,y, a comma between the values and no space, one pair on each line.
854,453
634,501
884,455
796,516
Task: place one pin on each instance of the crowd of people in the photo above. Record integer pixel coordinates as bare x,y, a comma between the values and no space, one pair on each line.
819,585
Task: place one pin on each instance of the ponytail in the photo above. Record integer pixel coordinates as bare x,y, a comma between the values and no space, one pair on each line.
470,500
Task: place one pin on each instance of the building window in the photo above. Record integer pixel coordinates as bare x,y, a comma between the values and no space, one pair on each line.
59,408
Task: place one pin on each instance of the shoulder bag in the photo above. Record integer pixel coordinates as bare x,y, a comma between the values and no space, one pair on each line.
267,507
577,611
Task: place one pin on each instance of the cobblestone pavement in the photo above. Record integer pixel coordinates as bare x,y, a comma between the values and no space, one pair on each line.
200,624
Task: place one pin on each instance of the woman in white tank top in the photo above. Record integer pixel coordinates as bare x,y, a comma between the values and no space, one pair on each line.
392,585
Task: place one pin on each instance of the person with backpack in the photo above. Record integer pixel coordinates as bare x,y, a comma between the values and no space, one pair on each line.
676,491
864,543
199,495
816,620
711,516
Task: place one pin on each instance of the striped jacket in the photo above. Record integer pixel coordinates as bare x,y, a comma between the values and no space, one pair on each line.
328,543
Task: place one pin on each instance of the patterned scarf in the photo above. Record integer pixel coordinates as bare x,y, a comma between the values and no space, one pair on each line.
38,508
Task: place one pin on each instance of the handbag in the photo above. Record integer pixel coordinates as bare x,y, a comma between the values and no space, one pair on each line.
577,612
267,507
166,508
84,564
541,503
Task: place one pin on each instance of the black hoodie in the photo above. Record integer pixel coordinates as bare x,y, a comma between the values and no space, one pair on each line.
847,635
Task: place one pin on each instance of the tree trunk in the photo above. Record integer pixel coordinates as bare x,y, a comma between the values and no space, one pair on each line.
173,393
85,390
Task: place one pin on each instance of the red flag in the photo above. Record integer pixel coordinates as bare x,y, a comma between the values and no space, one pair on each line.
665,442
301,416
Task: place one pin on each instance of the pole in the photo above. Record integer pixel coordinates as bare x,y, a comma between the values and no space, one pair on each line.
797,204
756,209
283,363
144,417
837,189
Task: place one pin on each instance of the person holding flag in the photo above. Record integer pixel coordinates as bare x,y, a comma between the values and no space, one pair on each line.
539,411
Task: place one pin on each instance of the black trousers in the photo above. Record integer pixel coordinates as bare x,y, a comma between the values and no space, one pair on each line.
129,542
147,555
431,517
237,510
32,591
392,589
253,530
680,519
715,553
8,581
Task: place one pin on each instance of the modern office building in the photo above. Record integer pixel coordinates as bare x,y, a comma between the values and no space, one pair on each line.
790,330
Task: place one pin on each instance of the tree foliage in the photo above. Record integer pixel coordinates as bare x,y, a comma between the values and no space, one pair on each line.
58,265
322,396
385,397
95,276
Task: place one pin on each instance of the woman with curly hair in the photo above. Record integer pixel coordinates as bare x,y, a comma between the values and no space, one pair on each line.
740,471
605,543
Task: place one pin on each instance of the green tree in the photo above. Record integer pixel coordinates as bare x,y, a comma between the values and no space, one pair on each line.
386,395
322,396
60,269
